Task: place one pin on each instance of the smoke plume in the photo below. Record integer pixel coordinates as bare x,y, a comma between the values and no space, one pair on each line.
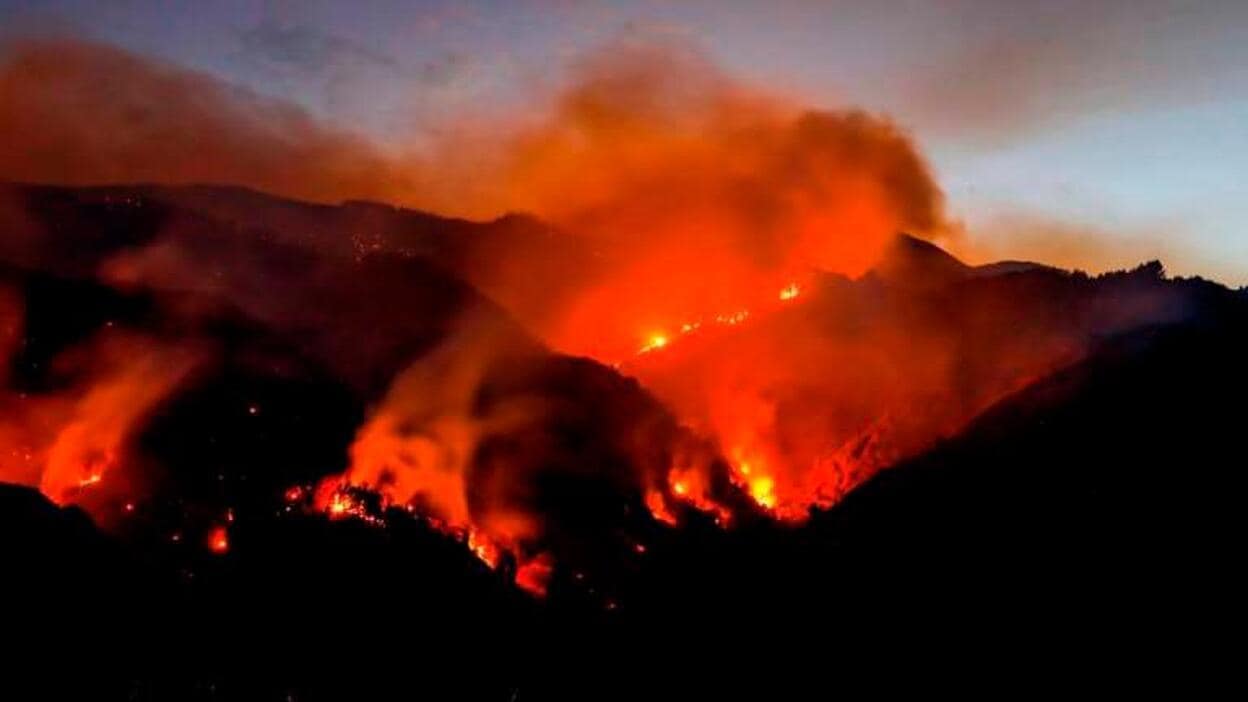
74,435
79,113
698,196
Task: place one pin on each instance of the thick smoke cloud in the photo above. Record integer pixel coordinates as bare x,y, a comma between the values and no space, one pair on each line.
648,156
695,195
79,113
689,199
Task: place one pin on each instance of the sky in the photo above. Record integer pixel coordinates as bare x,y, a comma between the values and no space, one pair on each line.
1090,134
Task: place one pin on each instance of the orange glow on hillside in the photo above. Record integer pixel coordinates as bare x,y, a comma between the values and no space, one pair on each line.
219,540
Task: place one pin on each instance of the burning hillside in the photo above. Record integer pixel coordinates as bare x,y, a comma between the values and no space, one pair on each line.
466,350
539,463
314,424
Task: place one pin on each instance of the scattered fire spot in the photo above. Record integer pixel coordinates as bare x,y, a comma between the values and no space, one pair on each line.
655,343
534,576
218,540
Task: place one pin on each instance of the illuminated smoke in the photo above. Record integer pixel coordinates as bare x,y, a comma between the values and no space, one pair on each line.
74,112
71,440
726,252
696,197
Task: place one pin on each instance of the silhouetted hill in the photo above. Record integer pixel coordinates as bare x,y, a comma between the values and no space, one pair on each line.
914,262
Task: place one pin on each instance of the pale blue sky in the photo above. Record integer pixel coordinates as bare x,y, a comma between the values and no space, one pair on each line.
1125,119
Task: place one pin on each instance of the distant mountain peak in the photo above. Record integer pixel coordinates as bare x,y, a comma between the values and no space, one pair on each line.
911,261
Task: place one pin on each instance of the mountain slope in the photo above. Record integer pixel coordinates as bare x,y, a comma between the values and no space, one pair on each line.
1077,484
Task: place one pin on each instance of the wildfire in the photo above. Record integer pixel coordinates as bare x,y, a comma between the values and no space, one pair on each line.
341,506
733,319
662,340
338,500
484,549
534,576
689,485
219,540
654,343
65,442
658,507
763,491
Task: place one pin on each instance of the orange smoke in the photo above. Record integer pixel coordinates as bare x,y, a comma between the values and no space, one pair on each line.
707,206
696,205
418,448
68,441
704,239
78,113
696,195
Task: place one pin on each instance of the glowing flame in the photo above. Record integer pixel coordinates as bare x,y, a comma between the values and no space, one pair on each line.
656,342
789,292
341,506
484,549
762,489
219,540
658,507
70,440
690,486
534,576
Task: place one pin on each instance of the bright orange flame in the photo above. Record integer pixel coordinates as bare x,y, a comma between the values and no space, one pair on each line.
789,292
69,441
658,507
690,485
219,540
483,548
762,489
334,498
654,343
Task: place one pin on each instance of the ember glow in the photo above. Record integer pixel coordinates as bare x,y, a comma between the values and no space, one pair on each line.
219,540
658,341
68,442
